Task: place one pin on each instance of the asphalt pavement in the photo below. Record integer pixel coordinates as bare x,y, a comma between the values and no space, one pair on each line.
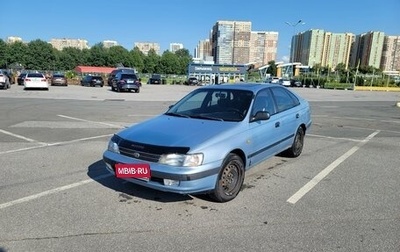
341,194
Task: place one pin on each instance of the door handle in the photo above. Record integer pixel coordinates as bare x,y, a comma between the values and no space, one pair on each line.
277,124
297,116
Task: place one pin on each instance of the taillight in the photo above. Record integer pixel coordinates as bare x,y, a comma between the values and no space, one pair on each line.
26,79
43,80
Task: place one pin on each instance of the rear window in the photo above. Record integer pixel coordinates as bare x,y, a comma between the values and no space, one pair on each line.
97,78
34,75
128,76
58,76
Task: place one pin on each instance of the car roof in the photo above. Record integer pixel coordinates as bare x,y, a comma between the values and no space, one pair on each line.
254,87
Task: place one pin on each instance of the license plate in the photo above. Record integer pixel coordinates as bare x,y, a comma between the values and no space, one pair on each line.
141,171
129,81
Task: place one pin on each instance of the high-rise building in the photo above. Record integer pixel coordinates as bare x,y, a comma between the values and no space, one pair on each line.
60,44
263,47
203,49
367,50
13,39
109,43
173,47
145,47
336,50
318,47
231,42
391,54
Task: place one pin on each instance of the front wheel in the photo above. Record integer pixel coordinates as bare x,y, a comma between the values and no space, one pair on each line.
230,179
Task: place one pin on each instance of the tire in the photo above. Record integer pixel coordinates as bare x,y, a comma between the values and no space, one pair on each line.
298,143
230,179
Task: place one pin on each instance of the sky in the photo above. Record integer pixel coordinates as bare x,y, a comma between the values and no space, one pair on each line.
189,21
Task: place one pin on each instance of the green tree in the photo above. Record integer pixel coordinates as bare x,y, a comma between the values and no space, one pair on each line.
119,55
3,54
169,63
98,55
137,57
40,56
184,59
16,53
151,62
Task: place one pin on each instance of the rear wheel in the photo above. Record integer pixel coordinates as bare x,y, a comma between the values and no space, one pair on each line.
298,143
230,179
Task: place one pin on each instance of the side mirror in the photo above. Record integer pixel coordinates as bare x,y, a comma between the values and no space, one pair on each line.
260,116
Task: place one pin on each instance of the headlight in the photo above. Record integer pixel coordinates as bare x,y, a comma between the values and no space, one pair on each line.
113,146
189,160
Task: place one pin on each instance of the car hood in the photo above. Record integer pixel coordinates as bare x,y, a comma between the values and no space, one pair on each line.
177,131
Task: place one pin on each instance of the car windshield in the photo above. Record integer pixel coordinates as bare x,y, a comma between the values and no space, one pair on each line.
214,104
58,76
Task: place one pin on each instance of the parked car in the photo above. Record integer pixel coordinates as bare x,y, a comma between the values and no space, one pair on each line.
275,80
155,79
205,142
20,78
4,80
9,74
296,83
120,70
126,82
35,80
284,82
92,81
58,80
192,81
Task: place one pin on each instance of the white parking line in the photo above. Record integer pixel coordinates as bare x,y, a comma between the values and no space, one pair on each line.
55,144
320,176
52,191
20,137
83,120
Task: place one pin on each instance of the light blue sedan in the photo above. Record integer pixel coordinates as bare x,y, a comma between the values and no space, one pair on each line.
206,141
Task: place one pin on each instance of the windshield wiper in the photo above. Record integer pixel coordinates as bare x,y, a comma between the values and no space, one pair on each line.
176,114
207,117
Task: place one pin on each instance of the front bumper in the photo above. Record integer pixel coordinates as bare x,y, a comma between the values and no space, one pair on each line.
189,180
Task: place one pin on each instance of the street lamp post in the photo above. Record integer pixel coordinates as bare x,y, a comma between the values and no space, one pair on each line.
293,39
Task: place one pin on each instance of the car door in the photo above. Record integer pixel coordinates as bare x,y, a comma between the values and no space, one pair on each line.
288,115
265,137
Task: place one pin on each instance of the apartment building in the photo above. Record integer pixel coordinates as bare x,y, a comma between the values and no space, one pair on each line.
173,47
336,49
231,42
145,47
203,49
60,44
263,47
234,42
109,43
13,40
367,49
391,54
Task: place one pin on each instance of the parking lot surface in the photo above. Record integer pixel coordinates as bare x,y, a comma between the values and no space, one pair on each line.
341,194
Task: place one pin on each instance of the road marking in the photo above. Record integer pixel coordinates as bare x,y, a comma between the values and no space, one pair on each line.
20,137
52,191
83,120
336,138
55,144
320,176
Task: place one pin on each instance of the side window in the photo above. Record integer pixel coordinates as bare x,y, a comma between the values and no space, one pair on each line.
284,99
263,102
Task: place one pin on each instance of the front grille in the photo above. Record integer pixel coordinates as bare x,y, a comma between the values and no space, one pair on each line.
147,152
